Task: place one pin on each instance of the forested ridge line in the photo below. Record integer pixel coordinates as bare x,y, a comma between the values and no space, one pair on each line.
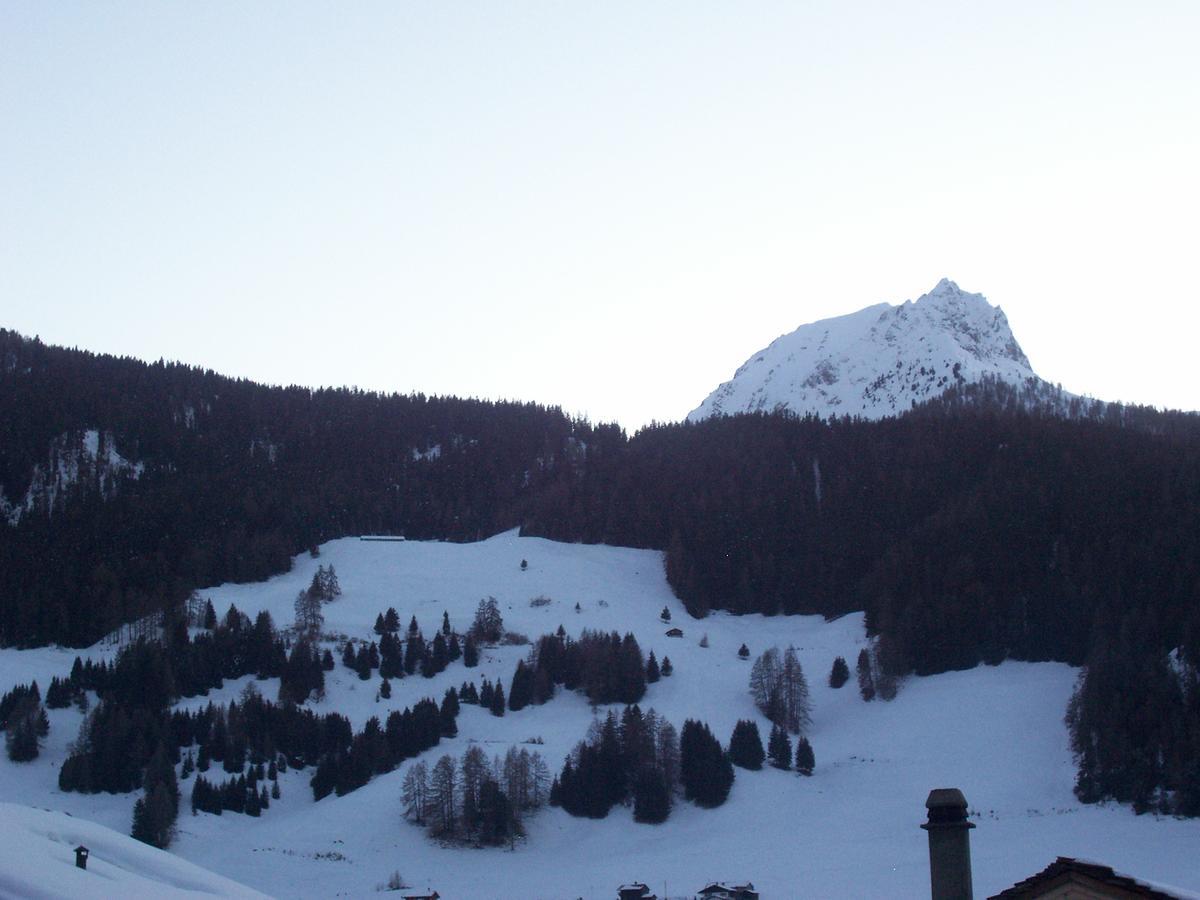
978,527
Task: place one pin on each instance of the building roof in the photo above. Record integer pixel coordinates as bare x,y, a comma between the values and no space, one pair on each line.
1101,879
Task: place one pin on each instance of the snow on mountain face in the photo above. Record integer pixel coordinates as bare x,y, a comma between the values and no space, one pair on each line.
878,361
79,457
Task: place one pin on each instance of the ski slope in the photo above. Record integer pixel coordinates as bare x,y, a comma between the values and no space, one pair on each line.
851,830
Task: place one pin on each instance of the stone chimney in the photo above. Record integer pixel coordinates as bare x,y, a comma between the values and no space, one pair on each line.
949,844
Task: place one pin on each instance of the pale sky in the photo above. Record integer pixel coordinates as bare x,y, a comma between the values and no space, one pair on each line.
605,206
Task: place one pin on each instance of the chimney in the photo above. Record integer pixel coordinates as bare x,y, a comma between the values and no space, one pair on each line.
949,844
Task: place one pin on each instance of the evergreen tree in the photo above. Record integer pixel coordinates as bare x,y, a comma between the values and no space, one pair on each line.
704,769
414,652
779,748
497,704
439,654
21,740
652,671
520,693
651,797
744,652
804,757
745,745
391,620
667,669
839,674
470,653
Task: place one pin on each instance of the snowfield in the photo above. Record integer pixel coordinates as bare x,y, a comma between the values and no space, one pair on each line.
851,830
37,859
878,361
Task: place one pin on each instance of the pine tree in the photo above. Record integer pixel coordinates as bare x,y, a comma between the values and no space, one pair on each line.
651,797
667,669
440,655
24,727
744,652
745,745
839,674
779,748
470,653
804,757
497,704
520,693
652,670
414,652
704,769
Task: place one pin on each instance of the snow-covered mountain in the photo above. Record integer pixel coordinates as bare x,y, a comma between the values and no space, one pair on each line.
878,361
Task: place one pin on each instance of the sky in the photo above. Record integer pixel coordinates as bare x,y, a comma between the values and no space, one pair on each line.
606,207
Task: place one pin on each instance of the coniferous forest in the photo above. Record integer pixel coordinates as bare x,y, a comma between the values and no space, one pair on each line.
971,530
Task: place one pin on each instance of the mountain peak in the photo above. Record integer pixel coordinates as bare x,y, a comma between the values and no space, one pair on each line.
878,361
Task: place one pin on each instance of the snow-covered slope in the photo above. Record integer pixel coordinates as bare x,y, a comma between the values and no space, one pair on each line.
878,361
851,830
37,860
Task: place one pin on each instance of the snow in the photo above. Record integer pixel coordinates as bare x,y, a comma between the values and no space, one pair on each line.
72,457
37,860
878,361
852,829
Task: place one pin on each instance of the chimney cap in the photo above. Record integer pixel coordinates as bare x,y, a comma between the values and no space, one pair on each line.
947,809
944,798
